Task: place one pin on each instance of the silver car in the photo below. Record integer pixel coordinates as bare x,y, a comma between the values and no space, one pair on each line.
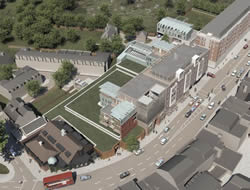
85,177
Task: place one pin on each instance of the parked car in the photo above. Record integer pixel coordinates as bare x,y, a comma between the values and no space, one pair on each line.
196,98
197,104
166,129
248,63
223,87
85,177
12,151
193,108
164,140
245,46
211,105
234,73
203,117
236,56
139,151
212,75
159,162
191,102
248,55
124,174
187,115
200,100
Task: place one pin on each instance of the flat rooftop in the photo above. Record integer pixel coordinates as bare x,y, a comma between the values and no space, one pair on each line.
225,20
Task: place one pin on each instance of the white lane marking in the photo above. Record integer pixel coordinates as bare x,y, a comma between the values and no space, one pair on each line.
130,169
109,178
142,169
97,182
148,158
100,189
112,184
156,152
133,175
155,145
139,164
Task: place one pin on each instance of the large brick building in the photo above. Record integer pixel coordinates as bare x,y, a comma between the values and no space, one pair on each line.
220,35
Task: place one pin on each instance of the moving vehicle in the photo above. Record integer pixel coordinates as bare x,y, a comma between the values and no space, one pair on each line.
203,117
139,151
234,73
85,177
223,87
245,46
124,174
57,181
248,63
164,140
166,129
211,105
248,55
159,162
236,56
187,115
212,75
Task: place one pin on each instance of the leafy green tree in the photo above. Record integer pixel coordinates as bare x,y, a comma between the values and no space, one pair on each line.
100,21
169,3
6,72
106,45
90,24
105,9
132,143
60,78
68,69
161,14
33,88
80,20
129,30
91,45
117,45
117,21
4,137
2,4
6,25
72,36
68,19
181,7
165,38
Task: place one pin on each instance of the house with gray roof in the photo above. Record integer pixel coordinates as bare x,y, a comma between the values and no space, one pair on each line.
15,87
19,113
225,30
243,91
175,29
237,182
227,124
109,32
87,63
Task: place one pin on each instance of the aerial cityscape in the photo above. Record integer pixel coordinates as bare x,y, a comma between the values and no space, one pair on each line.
125,94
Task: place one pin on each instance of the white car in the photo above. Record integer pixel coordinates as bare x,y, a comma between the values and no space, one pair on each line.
234,73
248,55
196,98
166,129
164,140
248,63
211,105
203,117
159,162
139,151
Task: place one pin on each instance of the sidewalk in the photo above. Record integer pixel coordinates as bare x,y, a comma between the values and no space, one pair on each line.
7,177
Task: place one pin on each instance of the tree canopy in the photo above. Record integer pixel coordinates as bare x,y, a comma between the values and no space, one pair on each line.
132,143
33,88
6,72
4,137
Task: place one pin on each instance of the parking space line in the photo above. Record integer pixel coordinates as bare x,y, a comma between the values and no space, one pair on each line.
139,164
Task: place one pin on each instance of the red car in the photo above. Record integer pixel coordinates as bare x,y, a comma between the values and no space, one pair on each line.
245,46
211,75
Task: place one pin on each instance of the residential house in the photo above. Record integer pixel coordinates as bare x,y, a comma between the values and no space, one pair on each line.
16,87
109,32
225,30
59,142
175,29
87,63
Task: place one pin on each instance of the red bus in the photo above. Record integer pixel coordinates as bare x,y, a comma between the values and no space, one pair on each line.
57,181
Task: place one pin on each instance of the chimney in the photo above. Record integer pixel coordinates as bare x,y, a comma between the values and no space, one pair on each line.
40,143
63,132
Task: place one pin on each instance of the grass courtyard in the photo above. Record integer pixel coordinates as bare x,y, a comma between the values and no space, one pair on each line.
3,169
133,66
103,141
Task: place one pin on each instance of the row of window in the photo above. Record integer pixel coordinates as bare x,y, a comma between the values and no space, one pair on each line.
54,60
169,28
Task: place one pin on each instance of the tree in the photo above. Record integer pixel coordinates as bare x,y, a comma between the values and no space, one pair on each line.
105,9
72,36
60,78
181,7
106,45
6,25
68,69
117,21
80,20
165,38
91,45
132,143
33,88
100,21
169,3
117,45
4,137
6,72
2,4
161,14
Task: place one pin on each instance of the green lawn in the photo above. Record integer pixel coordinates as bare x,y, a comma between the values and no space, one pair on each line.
202,18
134,132
3,169
103,141
86,104
133,66
50,99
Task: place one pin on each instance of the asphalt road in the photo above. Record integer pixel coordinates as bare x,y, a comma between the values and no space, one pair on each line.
182,131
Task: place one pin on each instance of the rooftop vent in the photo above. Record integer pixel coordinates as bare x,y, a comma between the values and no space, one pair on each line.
40,143
63,132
